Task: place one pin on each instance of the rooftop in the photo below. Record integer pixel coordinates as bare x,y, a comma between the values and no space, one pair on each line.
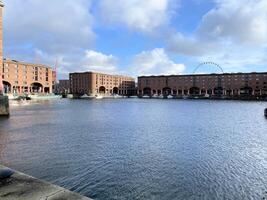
25,63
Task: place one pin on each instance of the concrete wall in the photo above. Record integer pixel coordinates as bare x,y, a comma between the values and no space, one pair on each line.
4,106
23,187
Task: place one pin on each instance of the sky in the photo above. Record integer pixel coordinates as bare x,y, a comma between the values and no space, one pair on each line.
138,37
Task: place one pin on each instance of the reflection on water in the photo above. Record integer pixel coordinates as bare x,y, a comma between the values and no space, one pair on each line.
141,149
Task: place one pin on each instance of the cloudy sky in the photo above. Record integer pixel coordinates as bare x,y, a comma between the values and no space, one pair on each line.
138,37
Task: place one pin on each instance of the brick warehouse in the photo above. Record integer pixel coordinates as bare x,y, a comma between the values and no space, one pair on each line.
212,85
92,83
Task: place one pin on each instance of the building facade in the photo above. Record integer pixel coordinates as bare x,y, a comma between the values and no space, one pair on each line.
62,87
226,84
19,77
1,45
92,83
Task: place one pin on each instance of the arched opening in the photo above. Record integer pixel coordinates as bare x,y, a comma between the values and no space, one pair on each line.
194,91
209,91
147,91
102,90
174,92
264,92
228,92
218,91
154,92
246,91
235,92
6,87
115,90
47,90
36,87
167,91
203,92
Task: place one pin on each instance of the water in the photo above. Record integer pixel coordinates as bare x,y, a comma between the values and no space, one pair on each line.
141,149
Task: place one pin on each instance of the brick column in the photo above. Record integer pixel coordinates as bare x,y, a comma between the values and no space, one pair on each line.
1,47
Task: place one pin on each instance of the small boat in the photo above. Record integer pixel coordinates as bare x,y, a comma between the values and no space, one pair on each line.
13,97
265,112
44,96
70,96
161,96
146,97
116,96
133,97
85,96
99,97
169,97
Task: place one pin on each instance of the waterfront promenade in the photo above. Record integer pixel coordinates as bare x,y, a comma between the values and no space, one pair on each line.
24,187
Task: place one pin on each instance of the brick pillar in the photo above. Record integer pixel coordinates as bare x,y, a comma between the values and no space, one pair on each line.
1,47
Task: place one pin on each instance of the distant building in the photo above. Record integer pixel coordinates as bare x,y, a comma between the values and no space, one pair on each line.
62,87
20,77
226,84
91,83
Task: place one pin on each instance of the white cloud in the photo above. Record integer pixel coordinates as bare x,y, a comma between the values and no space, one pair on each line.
56,26
155,62
137,15
243,21
88,61
192,46
233,34
99,62
43,31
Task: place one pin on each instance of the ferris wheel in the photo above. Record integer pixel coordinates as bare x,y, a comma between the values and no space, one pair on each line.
209,64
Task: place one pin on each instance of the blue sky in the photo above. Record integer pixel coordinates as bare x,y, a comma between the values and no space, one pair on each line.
137,37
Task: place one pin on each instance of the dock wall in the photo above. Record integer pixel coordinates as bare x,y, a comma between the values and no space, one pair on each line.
4,106
23,187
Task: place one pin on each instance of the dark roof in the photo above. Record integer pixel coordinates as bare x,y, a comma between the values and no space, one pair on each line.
213,74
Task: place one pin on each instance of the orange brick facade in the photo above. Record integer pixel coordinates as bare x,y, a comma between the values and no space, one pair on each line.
92,83
20,77
227,84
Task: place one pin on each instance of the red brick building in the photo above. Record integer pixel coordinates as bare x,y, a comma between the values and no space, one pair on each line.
225,84
92,83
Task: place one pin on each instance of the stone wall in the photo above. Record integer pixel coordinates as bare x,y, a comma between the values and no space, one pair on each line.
4,106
